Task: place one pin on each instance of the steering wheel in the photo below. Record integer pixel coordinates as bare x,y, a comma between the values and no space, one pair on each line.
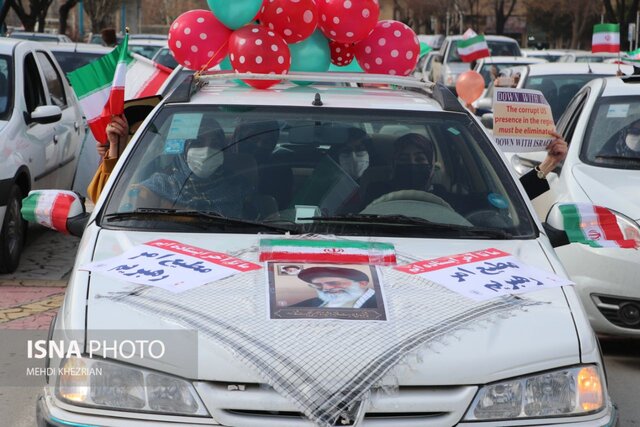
417,195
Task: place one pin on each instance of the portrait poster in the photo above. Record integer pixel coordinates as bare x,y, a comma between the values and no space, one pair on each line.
325,291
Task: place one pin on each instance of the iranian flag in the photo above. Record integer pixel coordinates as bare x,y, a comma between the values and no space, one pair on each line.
51,208
606,38
99,86
330,251
594,226
144,77
632,58
473,48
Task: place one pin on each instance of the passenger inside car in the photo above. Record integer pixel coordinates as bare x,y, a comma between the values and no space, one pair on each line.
625,143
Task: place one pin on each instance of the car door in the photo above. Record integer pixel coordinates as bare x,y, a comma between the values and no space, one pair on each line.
38,148
66,130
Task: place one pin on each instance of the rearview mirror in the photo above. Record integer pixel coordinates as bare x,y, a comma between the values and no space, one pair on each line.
45,114
60,210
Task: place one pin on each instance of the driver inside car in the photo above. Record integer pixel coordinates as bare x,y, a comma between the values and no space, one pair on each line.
198,179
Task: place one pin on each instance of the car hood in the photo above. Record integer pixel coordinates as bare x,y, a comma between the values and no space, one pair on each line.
615,189
540,337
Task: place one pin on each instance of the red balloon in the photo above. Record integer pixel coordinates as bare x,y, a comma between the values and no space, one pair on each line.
392,48
294,20
341,53
198,39
348,21
470,86
256,49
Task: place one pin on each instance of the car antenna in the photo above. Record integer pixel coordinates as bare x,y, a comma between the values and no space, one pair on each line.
317,102
589,67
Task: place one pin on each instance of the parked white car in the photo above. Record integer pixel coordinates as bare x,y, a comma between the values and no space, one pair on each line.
447,65
551,55
41,128
538,364
491,67
597,172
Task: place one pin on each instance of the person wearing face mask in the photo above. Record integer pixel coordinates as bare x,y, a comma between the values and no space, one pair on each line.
625,144
197,180
354,156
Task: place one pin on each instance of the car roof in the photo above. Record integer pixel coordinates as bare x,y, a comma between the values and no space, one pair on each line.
80,47
148,42
512,60
7,45
220,90
625,86
488,37
569,68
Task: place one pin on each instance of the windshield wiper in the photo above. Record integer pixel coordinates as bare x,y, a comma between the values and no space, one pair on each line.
614,157
412,221
207,215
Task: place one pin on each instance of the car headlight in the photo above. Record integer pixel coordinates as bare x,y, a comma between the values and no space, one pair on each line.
630,229
566,392
522,165
110,385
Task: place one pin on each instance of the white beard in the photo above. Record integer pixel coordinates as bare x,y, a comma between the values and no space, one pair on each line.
340,299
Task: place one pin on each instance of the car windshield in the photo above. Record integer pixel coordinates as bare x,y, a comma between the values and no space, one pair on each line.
339,171
559,89
144,50
6,87
164,57
497,48
70,61
613,134
490,71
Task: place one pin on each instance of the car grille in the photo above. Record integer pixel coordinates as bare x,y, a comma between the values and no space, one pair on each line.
256,405
610,309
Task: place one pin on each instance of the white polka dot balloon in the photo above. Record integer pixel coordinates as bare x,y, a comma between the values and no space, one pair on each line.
257,49
294,20
348,21
342,53
197,39
392,48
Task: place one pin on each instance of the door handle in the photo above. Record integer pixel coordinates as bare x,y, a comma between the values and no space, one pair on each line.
55,139
76,126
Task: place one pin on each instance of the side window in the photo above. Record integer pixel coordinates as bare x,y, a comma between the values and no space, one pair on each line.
33,91
569,120
54,82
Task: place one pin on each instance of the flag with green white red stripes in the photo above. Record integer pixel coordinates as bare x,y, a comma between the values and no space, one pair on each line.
595,226
606,38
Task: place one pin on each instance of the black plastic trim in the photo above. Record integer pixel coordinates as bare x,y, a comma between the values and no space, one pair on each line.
5,188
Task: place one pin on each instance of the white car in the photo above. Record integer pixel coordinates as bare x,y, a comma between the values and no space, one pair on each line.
40,37
447,65
279,173
607,278
71,56
491,67
559,82
551,55
41,128
586,56
146,47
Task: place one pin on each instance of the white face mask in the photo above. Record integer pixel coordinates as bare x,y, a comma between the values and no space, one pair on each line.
354,163
204,161
633,142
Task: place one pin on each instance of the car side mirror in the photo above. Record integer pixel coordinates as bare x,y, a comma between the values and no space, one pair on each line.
45,114
487,120
554,227
60,210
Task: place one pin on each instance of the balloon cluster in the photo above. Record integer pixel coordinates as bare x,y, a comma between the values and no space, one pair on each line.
278,36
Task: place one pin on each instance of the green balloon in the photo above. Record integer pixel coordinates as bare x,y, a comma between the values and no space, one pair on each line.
312,54
424,49
235,13
352,67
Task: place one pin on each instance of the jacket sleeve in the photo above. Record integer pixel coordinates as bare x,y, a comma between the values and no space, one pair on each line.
100,178
533,185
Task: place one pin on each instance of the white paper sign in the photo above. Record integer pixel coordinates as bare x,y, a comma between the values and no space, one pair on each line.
170,265
485,274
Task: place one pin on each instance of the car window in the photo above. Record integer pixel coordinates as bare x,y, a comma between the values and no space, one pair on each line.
6,87
164,57
612,138
558,89
567,123
33,90
496,48
271,164
144,50
53,80
70,61
487,70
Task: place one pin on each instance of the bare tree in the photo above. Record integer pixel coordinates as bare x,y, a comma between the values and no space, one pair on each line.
36,14
622,14
63,11
552,17
101,13
503,14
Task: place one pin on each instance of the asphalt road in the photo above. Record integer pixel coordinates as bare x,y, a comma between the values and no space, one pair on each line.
28,300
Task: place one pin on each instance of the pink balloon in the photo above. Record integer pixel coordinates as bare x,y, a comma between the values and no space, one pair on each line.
470,86
341,53
294,20
348,21
197,39
256,49
392,48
